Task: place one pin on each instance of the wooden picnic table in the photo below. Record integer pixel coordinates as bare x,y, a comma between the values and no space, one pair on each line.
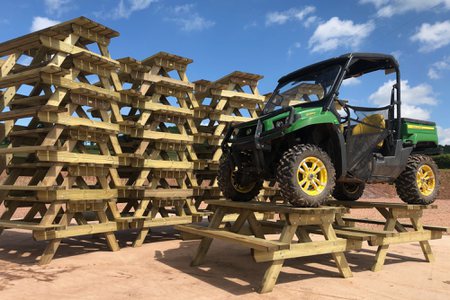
394,232
295,221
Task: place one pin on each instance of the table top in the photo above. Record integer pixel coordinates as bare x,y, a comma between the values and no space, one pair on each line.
276,207
366,204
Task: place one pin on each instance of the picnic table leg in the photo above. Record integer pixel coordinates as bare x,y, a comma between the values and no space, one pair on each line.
425,245
272,273
255,226
339,257
380,257
205,243
303,235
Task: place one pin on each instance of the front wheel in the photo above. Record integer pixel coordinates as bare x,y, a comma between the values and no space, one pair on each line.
419,182
345,191
231,183
306,175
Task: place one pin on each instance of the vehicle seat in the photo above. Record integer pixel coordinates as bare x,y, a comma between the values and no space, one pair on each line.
373,124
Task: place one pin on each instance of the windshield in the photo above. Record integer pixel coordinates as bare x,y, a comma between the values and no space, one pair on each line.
313,86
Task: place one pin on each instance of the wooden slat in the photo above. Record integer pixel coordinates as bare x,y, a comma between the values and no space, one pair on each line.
243,240
271,207
77,194
380,222
29,149
302,250
72,231
362,204
16,224
5,187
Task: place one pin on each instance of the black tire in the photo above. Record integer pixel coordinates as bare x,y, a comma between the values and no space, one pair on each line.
288,176
406,184
229,187
348,191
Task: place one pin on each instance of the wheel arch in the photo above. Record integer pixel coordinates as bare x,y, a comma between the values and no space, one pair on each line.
328,137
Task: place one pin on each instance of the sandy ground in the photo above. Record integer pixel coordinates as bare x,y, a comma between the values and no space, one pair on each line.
160,269
84,268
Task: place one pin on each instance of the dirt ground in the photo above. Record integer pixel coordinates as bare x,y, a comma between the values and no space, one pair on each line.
84,268
160,270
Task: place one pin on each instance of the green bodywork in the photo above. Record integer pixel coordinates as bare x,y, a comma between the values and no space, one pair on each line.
415,132
307,117
412,132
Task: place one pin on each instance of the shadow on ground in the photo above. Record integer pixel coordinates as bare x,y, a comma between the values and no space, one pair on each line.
232,268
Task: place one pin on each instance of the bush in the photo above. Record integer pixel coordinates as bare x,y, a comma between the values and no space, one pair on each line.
442,160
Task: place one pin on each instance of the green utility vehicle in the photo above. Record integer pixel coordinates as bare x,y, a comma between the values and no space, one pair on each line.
315,144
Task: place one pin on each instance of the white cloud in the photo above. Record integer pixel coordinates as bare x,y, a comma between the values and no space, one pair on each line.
433,36
310,20
41,23
188,19
376,3
389,8
58,7
291,50
125,8
336,33
351,81
444,135
435,71
413,98
281,17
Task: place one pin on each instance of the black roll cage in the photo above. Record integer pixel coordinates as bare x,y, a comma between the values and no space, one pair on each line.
353,65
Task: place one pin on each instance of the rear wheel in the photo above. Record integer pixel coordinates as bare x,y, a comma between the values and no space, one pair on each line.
348,191
419,182
306,175
232,184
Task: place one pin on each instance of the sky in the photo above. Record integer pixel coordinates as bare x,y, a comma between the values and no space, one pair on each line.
273,38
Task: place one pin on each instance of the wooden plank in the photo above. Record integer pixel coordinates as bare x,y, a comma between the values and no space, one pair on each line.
17,224
72,231
77,194
165,164
364,204
61,46
382,233
76,158
352,235
28,112
407,237
380,222
272,207
29,149
5,187
164,221
302,250
67,120
239,95
243,240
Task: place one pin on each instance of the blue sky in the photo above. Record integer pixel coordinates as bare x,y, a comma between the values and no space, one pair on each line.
273,38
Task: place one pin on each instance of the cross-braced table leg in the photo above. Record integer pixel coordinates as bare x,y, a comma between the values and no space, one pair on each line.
380,257
339,257
425,245
272,273
206,242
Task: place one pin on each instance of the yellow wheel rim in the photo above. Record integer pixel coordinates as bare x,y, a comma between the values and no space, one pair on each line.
426,181
312,176
241,188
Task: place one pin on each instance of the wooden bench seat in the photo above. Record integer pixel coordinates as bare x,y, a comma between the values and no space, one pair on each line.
13,224
247,241
379,222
